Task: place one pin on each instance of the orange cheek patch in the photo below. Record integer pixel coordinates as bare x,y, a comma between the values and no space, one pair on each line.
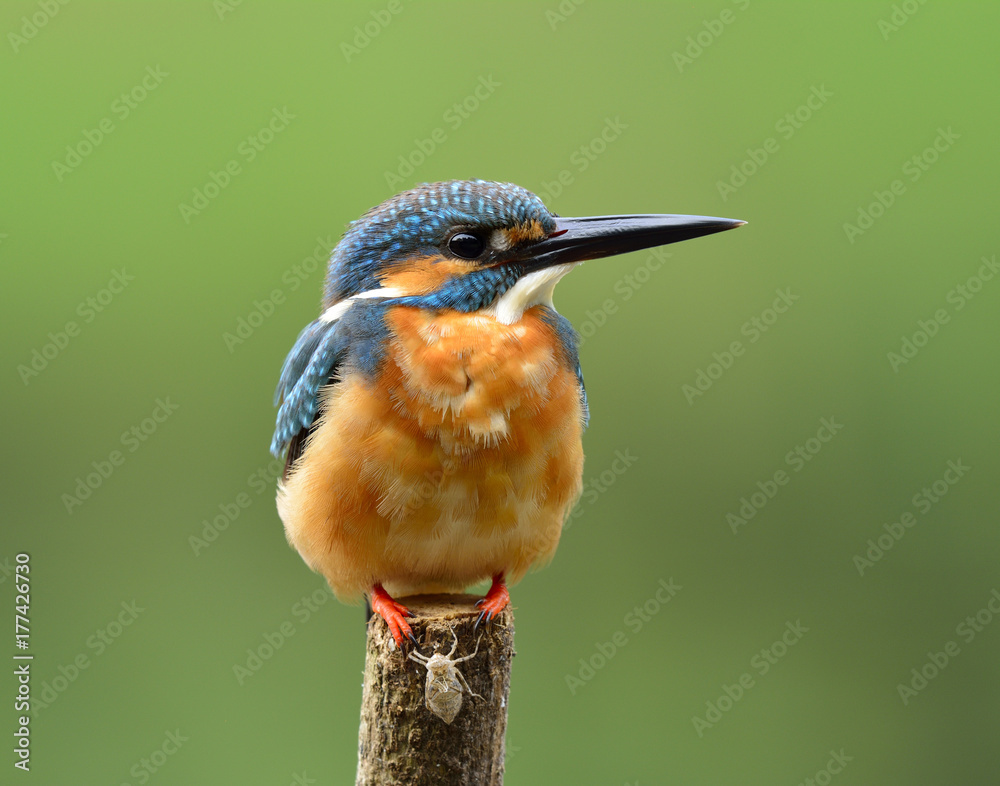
524,233
423,275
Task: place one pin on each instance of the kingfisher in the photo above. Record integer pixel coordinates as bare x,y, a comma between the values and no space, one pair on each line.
431,418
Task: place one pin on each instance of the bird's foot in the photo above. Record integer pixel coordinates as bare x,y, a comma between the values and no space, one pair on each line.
496,600
394,614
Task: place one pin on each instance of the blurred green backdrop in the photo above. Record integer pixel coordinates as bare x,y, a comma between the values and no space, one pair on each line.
172,173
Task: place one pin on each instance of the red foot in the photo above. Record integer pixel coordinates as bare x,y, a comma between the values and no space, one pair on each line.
496,600
393,613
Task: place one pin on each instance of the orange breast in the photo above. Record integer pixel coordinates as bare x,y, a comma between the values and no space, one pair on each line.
461,460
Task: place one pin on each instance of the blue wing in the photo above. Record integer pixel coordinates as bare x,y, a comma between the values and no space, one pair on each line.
318,351
570,339
584,404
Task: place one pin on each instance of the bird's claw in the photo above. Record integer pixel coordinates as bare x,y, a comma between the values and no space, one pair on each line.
496,600
394,614
398,627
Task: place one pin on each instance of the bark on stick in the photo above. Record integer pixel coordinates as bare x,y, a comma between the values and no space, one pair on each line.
401,741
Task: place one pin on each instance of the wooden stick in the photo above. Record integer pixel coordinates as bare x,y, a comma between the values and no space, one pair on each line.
401,741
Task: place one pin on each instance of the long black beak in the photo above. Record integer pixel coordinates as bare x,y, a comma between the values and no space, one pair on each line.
579,239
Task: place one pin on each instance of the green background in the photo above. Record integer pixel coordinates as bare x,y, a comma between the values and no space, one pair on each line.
560,75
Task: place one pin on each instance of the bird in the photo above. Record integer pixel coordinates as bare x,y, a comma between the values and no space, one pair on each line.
431,418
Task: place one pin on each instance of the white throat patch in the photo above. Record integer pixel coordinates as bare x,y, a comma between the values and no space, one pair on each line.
534,289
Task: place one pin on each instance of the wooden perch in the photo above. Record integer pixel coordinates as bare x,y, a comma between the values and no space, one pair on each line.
403,742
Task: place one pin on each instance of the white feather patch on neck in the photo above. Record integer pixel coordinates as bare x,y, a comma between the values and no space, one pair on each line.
337,310
534,289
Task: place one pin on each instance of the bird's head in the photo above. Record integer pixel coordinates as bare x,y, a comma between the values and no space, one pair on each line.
471,245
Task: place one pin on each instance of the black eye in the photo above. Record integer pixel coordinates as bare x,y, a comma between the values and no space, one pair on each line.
465,245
